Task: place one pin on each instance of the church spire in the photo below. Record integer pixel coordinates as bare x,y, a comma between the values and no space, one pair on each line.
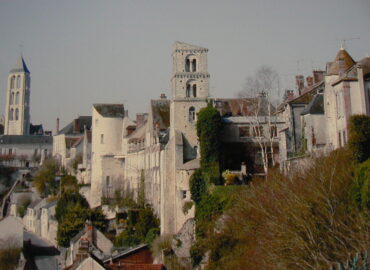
20,66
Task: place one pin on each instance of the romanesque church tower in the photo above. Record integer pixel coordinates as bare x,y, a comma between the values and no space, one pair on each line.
17,110
190,90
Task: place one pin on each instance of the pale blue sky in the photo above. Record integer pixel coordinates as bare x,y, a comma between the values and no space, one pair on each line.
85,52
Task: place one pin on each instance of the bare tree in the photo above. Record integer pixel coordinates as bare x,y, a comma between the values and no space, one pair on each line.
263,88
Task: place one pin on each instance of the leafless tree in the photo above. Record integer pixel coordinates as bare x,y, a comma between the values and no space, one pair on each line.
264,89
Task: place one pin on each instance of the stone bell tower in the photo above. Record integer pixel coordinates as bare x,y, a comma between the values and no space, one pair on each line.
17,109
190,88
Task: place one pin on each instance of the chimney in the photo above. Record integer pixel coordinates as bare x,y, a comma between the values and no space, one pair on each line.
140,119
57,125
318,76
299,80
163,96
126,113
89,231
309,81
76,126
289,95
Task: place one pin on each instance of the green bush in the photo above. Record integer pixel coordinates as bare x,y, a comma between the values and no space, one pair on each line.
359,137
151,235
198,186
360,190
209,126
68,200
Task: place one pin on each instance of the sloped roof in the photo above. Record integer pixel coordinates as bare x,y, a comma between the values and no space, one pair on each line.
83,121
136,267
127,252
161,113
110,110
20,66
316,106
25,139
191,165
241,106
334,66
36,129
178,45
351,74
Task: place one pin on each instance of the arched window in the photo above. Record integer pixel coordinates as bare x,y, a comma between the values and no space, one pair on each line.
12,81
17,98
191,114
188,90
194,90
16,114
18,81
194,65
11,101
11,116
187,65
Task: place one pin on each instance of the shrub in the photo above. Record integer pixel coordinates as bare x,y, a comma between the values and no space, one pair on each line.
360,190
209,127
197,186
151,235
68,200
359,137
24,202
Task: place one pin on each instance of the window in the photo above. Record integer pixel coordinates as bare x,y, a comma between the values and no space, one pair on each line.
194,65
11,116
18,81
183,194
17,98
194,90
107,181
339,139
244,132
191,114
187,65
188,90
102,138
273,131
16,114
12,81
258,131
344,137
10,151
11,98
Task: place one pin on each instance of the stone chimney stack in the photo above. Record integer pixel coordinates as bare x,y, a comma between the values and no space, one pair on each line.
309,81
89,232
318,76
289,95
57,131
299,80
140,119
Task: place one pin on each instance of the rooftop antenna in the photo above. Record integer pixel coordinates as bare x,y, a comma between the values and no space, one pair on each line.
21,48
344,40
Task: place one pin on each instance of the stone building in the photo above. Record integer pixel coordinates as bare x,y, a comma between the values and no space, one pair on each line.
22,144
159,150
317,119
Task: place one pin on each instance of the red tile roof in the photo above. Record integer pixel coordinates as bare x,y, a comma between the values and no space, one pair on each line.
136,267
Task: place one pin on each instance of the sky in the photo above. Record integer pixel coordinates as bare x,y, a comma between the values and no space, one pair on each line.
81,52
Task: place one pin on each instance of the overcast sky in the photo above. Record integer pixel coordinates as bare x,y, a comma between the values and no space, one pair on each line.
85,52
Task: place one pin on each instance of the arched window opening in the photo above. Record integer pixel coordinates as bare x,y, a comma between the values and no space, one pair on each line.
11,116
194,65
188,90
16,114
12,81
18,81
17,98
191,114
11,101
194,90
187,65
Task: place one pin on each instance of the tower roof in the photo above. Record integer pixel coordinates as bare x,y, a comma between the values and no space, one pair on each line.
347,59
185,46
20,66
